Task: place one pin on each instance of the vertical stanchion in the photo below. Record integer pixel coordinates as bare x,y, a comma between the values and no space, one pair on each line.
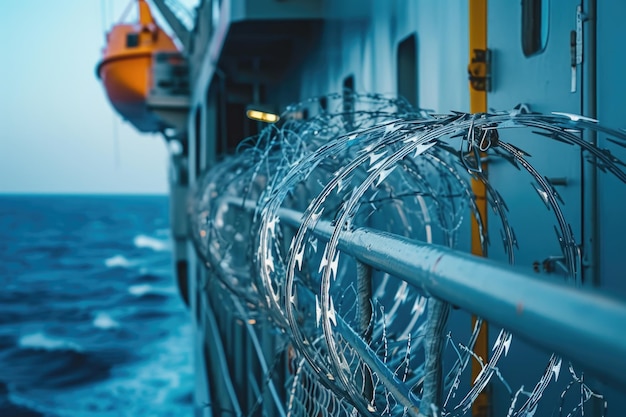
364,300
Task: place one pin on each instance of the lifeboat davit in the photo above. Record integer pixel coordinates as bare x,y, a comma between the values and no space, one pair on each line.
126,68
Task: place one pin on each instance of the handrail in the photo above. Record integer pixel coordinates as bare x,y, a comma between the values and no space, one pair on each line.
583,325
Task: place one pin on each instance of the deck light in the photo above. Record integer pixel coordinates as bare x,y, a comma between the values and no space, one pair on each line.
262,113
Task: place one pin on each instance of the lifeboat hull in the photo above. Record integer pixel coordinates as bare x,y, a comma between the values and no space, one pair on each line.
126,80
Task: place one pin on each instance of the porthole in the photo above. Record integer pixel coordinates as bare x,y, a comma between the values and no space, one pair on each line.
535,24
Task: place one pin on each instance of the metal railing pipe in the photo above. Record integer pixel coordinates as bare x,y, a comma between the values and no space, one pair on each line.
583,325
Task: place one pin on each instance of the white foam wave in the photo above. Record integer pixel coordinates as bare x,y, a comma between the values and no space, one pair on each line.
117,261
143,289
105,322
143,241
41,340
140,289
157,383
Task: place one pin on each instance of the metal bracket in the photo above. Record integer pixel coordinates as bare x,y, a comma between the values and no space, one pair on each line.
478,70
520,108
551,265
576,46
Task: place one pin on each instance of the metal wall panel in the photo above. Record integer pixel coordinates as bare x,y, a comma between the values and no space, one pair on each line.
611,201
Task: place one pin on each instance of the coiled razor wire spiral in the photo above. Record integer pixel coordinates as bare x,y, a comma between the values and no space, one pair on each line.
361,340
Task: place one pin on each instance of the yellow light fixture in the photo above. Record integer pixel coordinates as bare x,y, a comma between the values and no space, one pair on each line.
262,114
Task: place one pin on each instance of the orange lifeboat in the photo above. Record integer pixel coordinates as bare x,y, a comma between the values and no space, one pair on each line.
126,68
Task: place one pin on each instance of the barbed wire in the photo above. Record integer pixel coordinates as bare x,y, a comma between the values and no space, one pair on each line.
360,340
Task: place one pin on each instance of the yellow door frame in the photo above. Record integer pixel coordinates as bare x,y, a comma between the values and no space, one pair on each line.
478,104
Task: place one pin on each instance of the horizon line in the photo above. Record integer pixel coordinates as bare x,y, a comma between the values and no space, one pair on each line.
81,193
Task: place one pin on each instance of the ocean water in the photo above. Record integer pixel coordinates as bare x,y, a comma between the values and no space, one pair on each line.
91,322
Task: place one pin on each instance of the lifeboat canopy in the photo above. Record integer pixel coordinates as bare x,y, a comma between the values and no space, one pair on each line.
126,68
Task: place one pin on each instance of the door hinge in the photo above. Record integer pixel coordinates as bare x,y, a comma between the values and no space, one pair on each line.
576,46
478,70
580,18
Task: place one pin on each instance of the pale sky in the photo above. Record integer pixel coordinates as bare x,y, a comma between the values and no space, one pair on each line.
58,133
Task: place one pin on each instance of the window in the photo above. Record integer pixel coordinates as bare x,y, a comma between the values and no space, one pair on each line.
407,69
535,22
132,40
323,103
348,101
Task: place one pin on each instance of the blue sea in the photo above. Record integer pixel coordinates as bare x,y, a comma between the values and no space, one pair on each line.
91,321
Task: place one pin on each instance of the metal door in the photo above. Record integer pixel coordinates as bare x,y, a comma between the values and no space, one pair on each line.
533,63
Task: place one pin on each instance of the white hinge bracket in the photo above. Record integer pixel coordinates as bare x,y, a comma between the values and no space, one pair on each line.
576,47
